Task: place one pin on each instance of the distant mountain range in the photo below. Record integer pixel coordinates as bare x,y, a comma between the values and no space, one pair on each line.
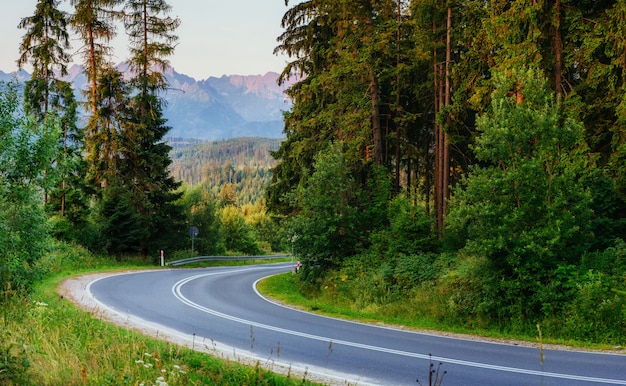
214,108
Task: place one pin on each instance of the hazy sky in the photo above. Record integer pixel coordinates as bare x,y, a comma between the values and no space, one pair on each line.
217,37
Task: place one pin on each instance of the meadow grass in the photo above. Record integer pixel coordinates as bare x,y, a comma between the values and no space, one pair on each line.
47,340
418,312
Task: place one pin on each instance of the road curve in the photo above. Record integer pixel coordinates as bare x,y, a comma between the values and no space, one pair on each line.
220,307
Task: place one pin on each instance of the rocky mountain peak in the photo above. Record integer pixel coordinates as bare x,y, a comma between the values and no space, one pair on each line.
212,109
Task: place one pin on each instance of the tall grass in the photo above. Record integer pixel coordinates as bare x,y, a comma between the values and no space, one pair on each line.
47,340
425,308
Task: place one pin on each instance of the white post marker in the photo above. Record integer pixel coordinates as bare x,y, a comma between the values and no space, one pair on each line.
162,259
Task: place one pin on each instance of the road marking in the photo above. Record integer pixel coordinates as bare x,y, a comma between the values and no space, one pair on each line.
177,291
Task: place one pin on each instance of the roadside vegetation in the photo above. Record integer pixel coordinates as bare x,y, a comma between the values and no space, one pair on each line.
422,311
452,165
47,340
459,163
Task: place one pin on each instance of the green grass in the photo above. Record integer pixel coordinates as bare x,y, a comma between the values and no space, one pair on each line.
47,340
406,313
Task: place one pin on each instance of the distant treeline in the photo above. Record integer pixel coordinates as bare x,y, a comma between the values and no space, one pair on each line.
242,162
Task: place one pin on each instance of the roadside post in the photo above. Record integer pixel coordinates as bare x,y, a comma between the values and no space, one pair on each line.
162,259
193,232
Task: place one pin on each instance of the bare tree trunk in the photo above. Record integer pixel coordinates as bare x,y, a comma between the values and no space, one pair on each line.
376,129
558,52
440,150
446,146
437,132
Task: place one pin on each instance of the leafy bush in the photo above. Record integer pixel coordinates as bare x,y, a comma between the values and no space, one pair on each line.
326,230
597,312
238,235
14,361
412,271
526,209
410,231
81,232
26,150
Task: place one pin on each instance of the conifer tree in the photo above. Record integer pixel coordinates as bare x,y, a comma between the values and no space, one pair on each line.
146,157
106,126
93,20
45,46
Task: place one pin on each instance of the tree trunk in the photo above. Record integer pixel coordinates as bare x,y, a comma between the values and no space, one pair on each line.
558,52
446,146
376,129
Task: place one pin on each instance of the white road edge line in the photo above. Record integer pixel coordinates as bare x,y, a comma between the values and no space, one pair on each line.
176,290
226,351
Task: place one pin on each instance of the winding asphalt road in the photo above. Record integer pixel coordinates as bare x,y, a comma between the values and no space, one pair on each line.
222,305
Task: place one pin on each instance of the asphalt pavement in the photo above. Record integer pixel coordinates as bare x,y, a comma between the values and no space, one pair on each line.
221,306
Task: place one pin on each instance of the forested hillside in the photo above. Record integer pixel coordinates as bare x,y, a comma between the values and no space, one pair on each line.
243,162
461,161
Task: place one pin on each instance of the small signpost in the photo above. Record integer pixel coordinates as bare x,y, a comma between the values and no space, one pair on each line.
193,232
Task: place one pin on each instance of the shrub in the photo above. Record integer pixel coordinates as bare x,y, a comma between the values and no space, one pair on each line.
414,270
597,313
14,362
410,231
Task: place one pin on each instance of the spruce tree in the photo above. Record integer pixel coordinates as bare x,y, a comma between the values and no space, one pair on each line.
44,46
145,155
93,21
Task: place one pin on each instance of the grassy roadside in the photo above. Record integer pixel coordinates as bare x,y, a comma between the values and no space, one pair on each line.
47,340
284,289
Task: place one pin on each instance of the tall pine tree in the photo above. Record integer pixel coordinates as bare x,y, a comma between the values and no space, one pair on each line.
145,155
45,46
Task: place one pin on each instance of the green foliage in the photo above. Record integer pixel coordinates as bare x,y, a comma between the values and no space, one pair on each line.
144,173
410,231
611,261
121,228
527,210
152,40
25,153
326,231
609,220
45,46
201,209
267,231
595,312
238,235
14,358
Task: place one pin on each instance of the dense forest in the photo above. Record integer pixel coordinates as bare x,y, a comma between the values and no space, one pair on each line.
463,159
98,171
242,162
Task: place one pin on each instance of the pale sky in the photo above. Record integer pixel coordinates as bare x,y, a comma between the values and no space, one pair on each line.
216,37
